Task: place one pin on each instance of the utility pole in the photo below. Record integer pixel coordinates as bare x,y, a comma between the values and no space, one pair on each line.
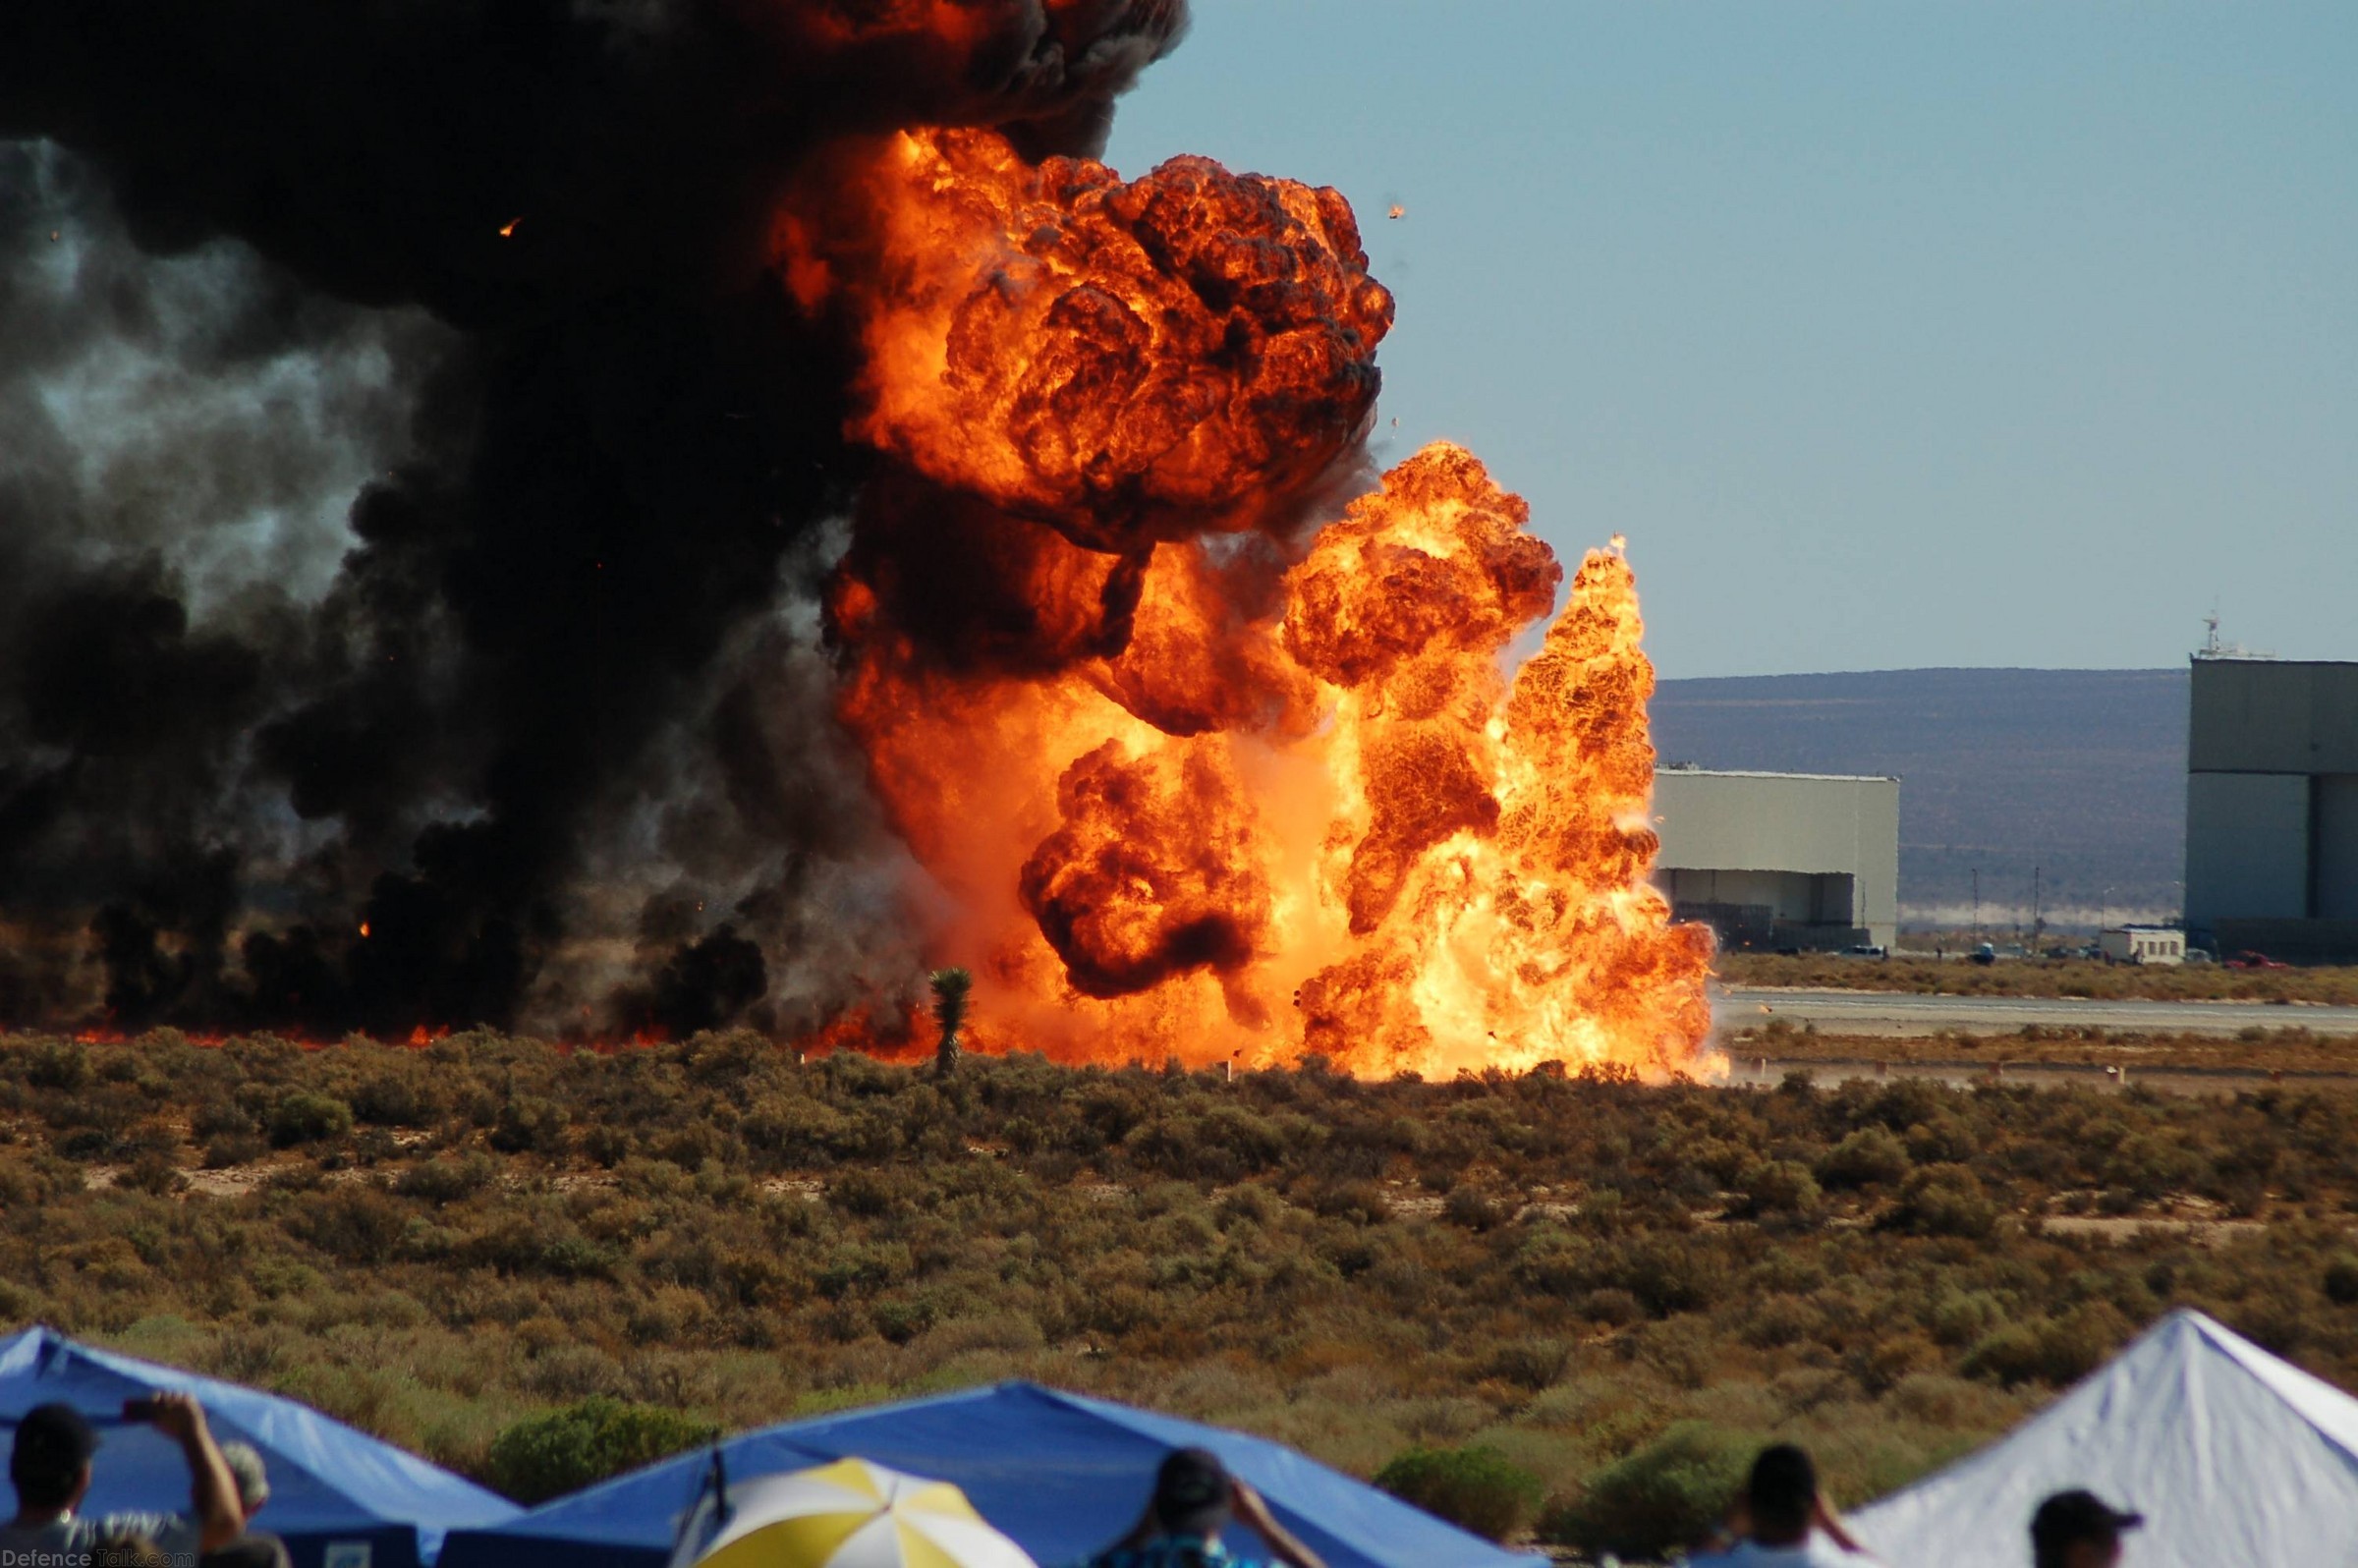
1977,906
2037,910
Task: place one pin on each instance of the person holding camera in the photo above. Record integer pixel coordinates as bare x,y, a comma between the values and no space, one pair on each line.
50,1468
1194,1499
1782,1520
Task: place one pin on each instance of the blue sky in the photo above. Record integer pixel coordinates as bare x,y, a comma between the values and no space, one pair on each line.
1892,334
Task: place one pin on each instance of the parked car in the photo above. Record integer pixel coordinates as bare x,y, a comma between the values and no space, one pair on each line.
1866,950
1987,953
2247,959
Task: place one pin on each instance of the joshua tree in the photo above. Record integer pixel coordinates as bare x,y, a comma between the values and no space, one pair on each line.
950,986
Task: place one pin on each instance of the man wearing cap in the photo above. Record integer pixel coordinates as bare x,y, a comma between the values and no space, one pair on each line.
2078,1529
1193,1497
256,1549
49,1465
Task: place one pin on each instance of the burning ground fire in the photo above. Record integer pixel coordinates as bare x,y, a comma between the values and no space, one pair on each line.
1189,783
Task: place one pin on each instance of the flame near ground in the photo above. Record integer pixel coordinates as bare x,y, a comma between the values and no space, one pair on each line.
1191,780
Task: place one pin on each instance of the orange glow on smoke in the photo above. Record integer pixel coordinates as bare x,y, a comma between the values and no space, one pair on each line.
1123,362
1192,784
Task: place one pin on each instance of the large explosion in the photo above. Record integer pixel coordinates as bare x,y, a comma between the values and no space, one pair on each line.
602,723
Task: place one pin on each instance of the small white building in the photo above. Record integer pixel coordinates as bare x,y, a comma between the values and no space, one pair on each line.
2143,944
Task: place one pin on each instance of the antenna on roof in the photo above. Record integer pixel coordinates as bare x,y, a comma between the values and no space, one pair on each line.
2213,648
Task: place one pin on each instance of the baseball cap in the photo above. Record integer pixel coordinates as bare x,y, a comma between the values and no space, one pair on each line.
2071,1515
52,1439
245,1463
1191,1492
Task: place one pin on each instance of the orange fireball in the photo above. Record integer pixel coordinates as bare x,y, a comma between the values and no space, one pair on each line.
1124,361
1181,783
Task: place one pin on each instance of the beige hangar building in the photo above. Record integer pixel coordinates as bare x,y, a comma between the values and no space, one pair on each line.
1780,860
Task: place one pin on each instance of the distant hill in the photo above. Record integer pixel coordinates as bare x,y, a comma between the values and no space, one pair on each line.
2079,772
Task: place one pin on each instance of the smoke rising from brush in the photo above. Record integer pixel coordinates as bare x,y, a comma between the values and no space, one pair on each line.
415,495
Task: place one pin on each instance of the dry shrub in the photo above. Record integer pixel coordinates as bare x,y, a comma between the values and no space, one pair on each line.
1531,1364
548,1456
304,1116
2054,1351
1944,1201
443,1181
154,1172
1869,1157
529,1125
402,1096
833,1228
1783,1188
1473,1208
226,1150
1477,1488
1667,1495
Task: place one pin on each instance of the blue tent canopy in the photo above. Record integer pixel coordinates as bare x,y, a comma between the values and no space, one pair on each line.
1061,1474
330,1485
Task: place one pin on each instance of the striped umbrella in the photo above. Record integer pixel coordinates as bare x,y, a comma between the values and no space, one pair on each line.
854,1514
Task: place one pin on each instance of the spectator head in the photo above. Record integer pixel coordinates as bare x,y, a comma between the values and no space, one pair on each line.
245,1464
127,1548
1191,1493
2078,1529
50,1463
1783,1493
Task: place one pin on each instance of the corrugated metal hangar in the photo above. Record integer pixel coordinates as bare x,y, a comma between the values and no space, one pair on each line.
1780,860
2272,808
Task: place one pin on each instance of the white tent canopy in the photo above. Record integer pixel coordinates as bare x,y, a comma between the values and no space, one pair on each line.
2233,1456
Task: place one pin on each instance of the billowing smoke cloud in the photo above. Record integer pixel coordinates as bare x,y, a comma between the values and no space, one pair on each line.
414,493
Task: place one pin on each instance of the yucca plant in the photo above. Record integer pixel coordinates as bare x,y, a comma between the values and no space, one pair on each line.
950,986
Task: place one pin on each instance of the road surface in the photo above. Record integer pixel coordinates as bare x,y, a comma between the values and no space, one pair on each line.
1899,1013
1747,1072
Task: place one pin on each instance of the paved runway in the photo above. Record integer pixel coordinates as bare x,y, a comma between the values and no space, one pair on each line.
1900,1014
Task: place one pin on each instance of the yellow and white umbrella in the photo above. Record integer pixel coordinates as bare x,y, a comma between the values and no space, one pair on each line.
852,1514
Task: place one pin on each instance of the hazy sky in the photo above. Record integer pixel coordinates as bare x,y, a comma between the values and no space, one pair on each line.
1892,334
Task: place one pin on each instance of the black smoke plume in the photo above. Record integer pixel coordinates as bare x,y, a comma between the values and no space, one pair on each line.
531,729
